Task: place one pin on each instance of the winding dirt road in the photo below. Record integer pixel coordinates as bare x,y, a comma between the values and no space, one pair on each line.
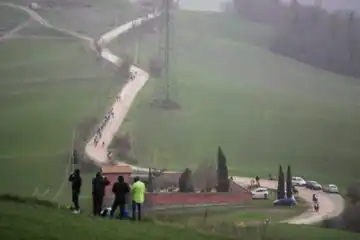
331,205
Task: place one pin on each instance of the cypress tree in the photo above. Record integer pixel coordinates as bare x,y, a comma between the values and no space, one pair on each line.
222,172
185,181
150,186
281,184
288,183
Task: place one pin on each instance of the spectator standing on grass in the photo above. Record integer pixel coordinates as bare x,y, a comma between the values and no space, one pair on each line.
120,190
138,197
76,182
98,192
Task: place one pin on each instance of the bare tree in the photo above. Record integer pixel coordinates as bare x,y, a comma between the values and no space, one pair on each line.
204,177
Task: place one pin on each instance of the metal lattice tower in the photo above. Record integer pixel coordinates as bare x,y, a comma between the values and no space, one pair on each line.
167,92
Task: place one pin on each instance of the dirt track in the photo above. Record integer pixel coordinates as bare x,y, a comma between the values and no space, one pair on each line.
331,205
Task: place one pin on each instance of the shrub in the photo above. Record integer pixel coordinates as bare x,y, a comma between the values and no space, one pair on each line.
185,181
353,192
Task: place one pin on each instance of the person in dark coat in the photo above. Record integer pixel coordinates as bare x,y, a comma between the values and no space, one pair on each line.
120,190
76,182
98,192
257,181
315,198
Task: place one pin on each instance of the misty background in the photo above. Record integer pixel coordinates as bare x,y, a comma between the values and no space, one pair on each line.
215,5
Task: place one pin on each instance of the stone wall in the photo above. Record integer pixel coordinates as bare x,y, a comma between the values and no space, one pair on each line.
237,195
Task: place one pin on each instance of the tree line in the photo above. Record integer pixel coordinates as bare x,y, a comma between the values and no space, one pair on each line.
309,34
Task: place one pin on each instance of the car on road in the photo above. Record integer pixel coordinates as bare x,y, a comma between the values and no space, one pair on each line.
313,185
285,202
331,188
260,193
298,181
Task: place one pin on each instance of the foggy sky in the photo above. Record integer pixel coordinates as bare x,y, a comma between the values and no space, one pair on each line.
214,5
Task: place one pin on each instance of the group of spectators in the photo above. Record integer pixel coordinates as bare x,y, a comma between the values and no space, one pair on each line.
120,189
110,114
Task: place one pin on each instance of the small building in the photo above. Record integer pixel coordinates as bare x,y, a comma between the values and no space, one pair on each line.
112,173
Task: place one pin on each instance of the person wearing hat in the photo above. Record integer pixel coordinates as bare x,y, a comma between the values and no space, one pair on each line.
120,190
98,192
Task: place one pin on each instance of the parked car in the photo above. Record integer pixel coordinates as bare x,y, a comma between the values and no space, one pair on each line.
331,188
313,185
298,181
260,193
285,202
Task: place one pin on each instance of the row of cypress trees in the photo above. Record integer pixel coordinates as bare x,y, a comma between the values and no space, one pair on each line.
284,187
284,183
185,180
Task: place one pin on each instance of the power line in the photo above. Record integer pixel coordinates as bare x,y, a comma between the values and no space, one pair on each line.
167,95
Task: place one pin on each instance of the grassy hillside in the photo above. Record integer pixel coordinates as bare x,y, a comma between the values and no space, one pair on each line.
36,30
21,221
262,108
46,88
32,219
10,18
49,82
91,17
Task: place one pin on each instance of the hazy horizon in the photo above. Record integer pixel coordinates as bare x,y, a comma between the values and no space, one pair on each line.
214,5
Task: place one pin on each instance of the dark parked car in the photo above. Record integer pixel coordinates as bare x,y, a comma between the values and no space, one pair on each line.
313,185
285,202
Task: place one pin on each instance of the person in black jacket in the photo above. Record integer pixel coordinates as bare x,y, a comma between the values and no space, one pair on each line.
98,191
257,179
120,190
76,182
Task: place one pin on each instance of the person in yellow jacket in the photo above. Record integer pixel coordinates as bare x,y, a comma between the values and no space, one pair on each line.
138,197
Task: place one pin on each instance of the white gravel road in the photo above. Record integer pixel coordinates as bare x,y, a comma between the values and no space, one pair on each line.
330,204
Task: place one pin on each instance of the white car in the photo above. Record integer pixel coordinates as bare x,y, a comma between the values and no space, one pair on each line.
260,193
331,188
298,181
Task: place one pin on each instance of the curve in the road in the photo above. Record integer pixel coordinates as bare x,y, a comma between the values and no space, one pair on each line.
330,205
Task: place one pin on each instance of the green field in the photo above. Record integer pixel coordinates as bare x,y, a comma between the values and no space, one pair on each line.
262,108
32,219
92,19
47,86
10,18
255,212
37,222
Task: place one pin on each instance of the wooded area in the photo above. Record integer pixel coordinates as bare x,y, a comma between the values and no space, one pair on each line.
309,33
